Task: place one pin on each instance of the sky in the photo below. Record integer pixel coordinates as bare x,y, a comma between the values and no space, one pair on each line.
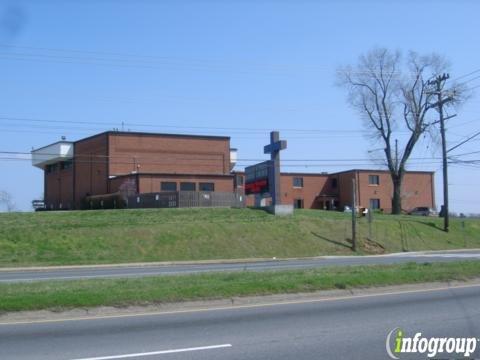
236,68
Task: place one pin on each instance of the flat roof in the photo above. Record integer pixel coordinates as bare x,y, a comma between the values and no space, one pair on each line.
381,171
140,133
54,143
340,172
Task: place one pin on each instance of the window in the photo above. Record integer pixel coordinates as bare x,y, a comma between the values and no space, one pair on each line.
298,203
374,204
240,180
373,180
168,186
334,183
187,186
206,187
297,182
51,168
64,165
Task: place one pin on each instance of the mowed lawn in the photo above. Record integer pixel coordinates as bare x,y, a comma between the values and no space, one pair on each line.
144,235
62,295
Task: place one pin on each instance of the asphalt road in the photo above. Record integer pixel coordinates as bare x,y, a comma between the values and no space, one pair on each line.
353,328
152,270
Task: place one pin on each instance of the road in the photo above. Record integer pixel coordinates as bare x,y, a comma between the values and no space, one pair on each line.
337,328
152,270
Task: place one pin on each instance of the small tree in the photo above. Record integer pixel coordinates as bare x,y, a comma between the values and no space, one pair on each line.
390,98
6,200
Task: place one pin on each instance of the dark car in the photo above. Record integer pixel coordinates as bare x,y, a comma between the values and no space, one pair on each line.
423,211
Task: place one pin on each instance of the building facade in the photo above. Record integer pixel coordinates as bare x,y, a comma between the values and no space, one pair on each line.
116,161
335,191
138,163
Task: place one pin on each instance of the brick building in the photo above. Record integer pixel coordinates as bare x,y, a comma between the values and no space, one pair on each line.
334,191
115,161
128,161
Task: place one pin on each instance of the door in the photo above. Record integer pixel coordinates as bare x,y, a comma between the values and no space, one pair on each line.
298,203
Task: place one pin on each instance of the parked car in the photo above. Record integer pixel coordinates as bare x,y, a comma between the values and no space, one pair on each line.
423,211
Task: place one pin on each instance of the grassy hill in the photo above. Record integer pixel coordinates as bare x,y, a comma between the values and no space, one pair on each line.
118,236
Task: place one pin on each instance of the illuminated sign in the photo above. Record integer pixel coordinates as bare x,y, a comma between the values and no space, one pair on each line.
257,178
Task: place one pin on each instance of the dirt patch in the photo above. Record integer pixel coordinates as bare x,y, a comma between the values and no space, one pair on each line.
372,247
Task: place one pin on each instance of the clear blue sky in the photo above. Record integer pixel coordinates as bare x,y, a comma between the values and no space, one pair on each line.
234,64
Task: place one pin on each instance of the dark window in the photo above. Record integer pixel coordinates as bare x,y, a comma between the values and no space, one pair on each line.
64,165
298,203
206,187
187,186
298,182
168,186
373,180
374,203
240,180
51,168
334,183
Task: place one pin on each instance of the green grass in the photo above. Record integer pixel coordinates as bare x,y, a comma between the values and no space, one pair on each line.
60,295
119,236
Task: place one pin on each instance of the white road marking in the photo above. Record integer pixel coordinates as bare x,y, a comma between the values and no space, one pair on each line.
161,352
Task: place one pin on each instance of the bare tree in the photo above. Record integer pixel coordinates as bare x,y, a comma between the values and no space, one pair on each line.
6,200
391,96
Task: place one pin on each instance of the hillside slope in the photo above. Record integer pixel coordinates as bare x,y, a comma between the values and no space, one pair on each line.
143,235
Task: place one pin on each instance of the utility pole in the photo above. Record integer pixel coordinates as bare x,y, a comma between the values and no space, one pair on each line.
438,82
354,216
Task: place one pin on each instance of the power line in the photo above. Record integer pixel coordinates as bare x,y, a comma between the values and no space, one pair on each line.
210,159
463,123
469,80
215,62
466,75
473,88
117,124
145,163
468,153
169,61
133,129
464,141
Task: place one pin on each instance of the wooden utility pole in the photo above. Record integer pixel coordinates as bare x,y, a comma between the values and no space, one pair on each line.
354,216
438,82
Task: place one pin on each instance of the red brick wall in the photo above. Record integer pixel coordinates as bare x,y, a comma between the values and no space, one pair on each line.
152,183
59,189
148,153
417,190
313,185
91,170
